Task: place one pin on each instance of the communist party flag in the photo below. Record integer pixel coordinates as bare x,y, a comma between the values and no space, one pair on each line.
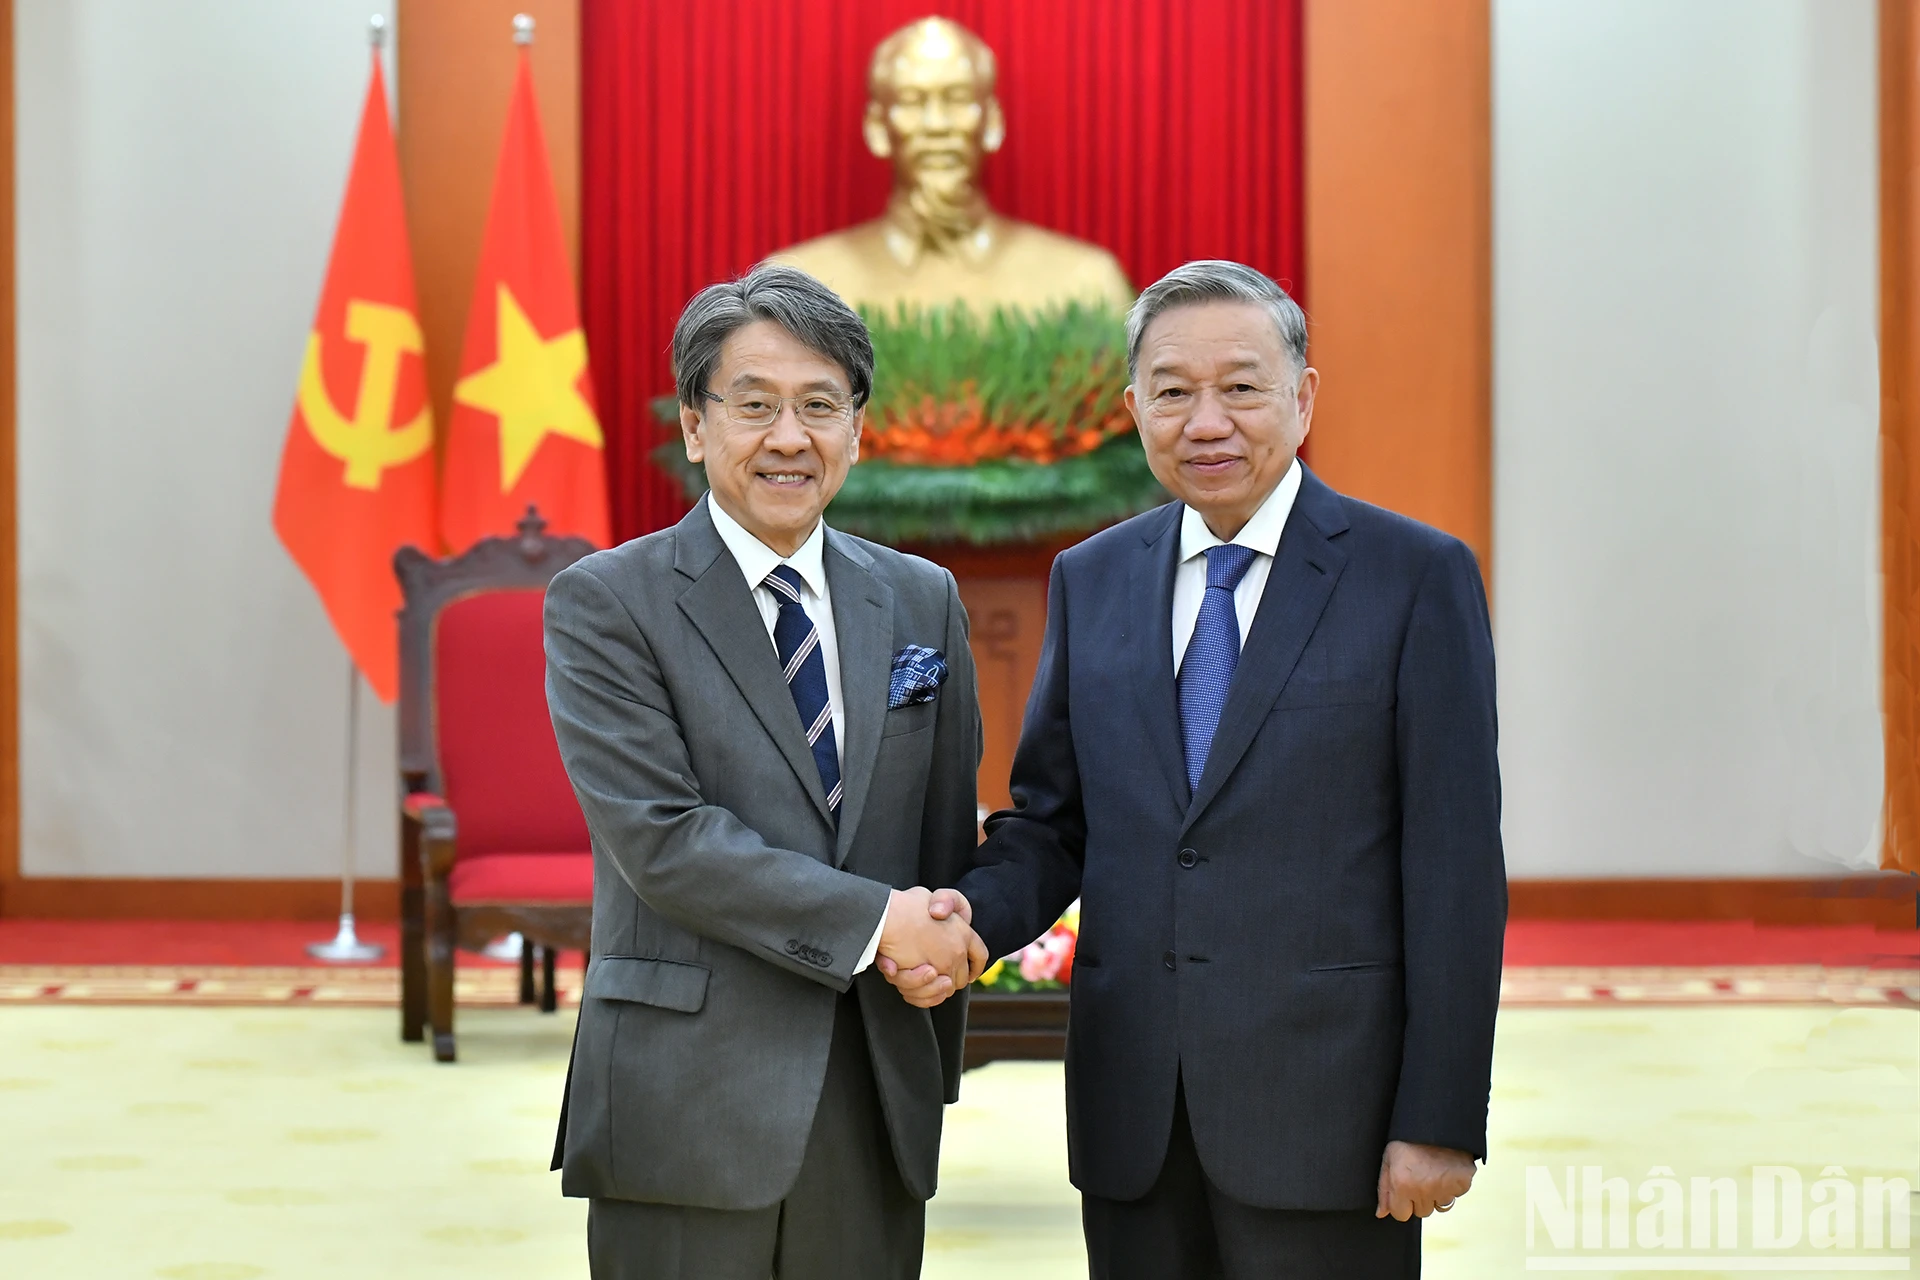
356,475
523,428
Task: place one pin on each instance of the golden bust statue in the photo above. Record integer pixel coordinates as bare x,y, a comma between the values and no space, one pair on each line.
931,110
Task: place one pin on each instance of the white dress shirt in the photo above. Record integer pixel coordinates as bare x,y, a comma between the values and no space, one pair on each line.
756,560
1261,534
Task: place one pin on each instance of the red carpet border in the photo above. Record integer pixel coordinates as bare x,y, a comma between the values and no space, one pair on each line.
379,986
1724,984
1549,963
340,988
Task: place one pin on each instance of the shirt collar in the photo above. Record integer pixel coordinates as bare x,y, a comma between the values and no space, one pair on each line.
1261,533
756,559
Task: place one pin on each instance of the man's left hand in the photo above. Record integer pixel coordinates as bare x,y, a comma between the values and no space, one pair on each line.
1416,1180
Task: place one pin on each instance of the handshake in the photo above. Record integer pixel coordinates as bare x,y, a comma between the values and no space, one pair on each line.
928,949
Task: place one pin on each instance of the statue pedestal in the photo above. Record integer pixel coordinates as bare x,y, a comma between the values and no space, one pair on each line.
1005,592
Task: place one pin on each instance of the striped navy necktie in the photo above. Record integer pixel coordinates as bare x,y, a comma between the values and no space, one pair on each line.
797,641
1206,669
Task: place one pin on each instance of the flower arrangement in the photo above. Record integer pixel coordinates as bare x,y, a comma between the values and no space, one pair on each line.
1007,427
953,389
1046,964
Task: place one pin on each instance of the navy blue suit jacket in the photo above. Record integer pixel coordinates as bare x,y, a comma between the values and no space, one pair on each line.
1311,942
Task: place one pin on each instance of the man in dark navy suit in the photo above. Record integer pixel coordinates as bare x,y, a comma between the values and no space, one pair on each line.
1260,749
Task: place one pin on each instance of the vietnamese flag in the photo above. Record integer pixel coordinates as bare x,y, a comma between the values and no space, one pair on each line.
523,428
356,475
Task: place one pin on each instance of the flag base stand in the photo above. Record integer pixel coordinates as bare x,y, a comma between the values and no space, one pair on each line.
507,948
345,947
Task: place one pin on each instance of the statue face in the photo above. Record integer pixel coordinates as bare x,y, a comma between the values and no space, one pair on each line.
1220,407
931,113
775,479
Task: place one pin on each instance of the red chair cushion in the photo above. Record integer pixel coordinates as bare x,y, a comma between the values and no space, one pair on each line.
522,877
500,768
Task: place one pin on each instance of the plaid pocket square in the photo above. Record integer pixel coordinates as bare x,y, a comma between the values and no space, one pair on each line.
918,673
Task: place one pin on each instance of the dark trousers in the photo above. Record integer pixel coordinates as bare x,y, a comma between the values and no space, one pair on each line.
1186,1228
848,1215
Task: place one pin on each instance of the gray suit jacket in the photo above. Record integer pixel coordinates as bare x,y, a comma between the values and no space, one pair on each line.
728,914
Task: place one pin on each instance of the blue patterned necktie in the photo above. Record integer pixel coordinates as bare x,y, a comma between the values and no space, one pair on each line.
798,643
1207,668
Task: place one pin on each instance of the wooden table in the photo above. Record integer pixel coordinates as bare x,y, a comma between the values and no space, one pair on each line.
1030,1026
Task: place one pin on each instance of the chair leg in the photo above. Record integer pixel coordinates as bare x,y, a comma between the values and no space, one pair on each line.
440,925
549,997
526,970
413,964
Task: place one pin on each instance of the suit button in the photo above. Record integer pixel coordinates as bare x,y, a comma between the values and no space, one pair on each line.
1188,857
1167,959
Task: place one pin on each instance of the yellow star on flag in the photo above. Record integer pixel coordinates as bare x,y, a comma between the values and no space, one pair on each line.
531,388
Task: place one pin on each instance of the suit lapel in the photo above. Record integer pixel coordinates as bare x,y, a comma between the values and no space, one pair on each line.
863,624
721,607
1151,592
1299,585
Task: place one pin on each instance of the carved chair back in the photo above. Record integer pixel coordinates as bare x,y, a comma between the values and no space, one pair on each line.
473,709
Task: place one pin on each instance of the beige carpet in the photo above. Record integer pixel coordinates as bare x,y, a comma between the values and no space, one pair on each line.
229,1143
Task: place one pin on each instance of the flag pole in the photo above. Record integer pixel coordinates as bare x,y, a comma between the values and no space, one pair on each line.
345,947
511,946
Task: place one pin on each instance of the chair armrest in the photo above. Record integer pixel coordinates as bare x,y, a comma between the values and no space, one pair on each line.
435,819
418,803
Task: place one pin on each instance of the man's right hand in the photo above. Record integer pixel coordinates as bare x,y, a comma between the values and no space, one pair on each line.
911,936
928,983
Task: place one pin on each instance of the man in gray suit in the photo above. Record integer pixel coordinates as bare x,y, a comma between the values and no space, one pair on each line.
773,732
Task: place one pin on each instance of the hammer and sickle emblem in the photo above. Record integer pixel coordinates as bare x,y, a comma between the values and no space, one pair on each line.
369,442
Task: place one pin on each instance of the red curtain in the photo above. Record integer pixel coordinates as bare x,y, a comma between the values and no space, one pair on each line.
714,133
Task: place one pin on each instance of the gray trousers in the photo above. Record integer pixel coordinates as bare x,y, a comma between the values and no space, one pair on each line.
848,1216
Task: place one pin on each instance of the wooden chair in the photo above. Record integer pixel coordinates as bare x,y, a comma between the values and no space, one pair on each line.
491,838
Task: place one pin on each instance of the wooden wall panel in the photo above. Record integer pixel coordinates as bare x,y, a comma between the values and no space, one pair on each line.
1885,901
455,68
1399,246
1881,900
106,898
1900,427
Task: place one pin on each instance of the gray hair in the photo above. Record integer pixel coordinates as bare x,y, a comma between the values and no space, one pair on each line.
1216,280
792,299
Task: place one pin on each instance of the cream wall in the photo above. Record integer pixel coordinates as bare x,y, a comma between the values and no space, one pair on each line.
183,700
1685,513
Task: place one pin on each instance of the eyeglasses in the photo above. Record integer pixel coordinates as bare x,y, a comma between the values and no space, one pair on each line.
762,408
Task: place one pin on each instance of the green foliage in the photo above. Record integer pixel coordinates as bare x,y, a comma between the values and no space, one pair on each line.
1062,367
990,502
1007,379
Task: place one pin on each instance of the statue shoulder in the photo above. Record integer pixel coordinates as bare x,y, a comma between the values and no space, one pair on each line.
1084,269
832,253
